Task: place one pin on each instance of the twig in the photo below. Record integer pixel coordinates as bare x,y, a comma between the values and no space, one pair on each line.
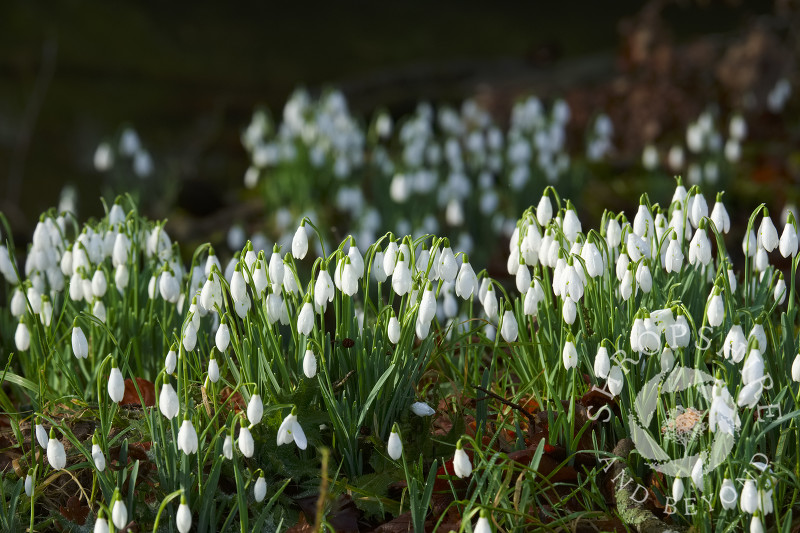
518,407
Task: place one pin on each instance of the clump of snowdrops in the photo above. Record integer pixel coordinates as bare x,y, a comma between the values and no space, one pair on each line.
264,364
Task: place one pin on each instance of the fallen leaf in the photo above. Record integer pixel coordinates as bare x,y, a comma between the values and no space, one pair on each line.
131,397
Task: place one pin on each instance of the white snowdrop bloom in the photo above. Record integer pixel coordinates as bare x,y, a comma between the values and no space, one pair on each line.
569,311
401,277
571,224
544,211
643,223
613,233
616,380
762,260
728,495
29,486
255,409
121,278
700,248
356,259
716,309
168,402
300,242
395,446
98,458
187,437
779,293
788,242
522,279
673,261
750,394
116,384
41,436
759,334
569,353
753,369
393,330
305,319
697,474
678,334
482,525
227,448
189,336
626,285
238,285
767,235
246,443
260,488
223,337
119,513
422,409
509,329
602,363
377,268
698,207
46,311
643,277
490,306
99,284
80,346
722,415
749,497
18,304
756,525
796,368
291,431
749,244
667,360
622,266
677,489
720,217
56,455
309,364
462,467
427,306
593,259
183,518
448,268
390,258
323,289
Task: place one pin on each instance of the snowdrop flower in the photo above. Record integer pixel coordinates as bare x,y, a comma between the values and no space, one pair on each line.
171,361
753,369
309,363
18,304
395,446
728,495
571,224
716,309
569,354
99,284
767,234
305,319
698,207
238,285
569,311
56,455
168,402
223,336
735,345
260,488
401,277
22,337
643,277
393,329
189,336
509,329
677,489
300,242
255,409
613,233
700,247
697,474
678,334
720,217
490,303
246,443
462,467
80,346
119,513
116,384
615,380
749,498
97,455
466,281
780,290
377,268
291,431
422,409
29,484
227,448
749,244
602,363
796,369
187,437
788,242
758,333
650,157
544,211
183,518
41,436
483,526
756,526
673,260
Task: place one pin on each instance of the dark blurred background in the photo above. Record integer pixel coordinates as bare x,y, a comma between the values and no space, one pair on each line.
187,76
